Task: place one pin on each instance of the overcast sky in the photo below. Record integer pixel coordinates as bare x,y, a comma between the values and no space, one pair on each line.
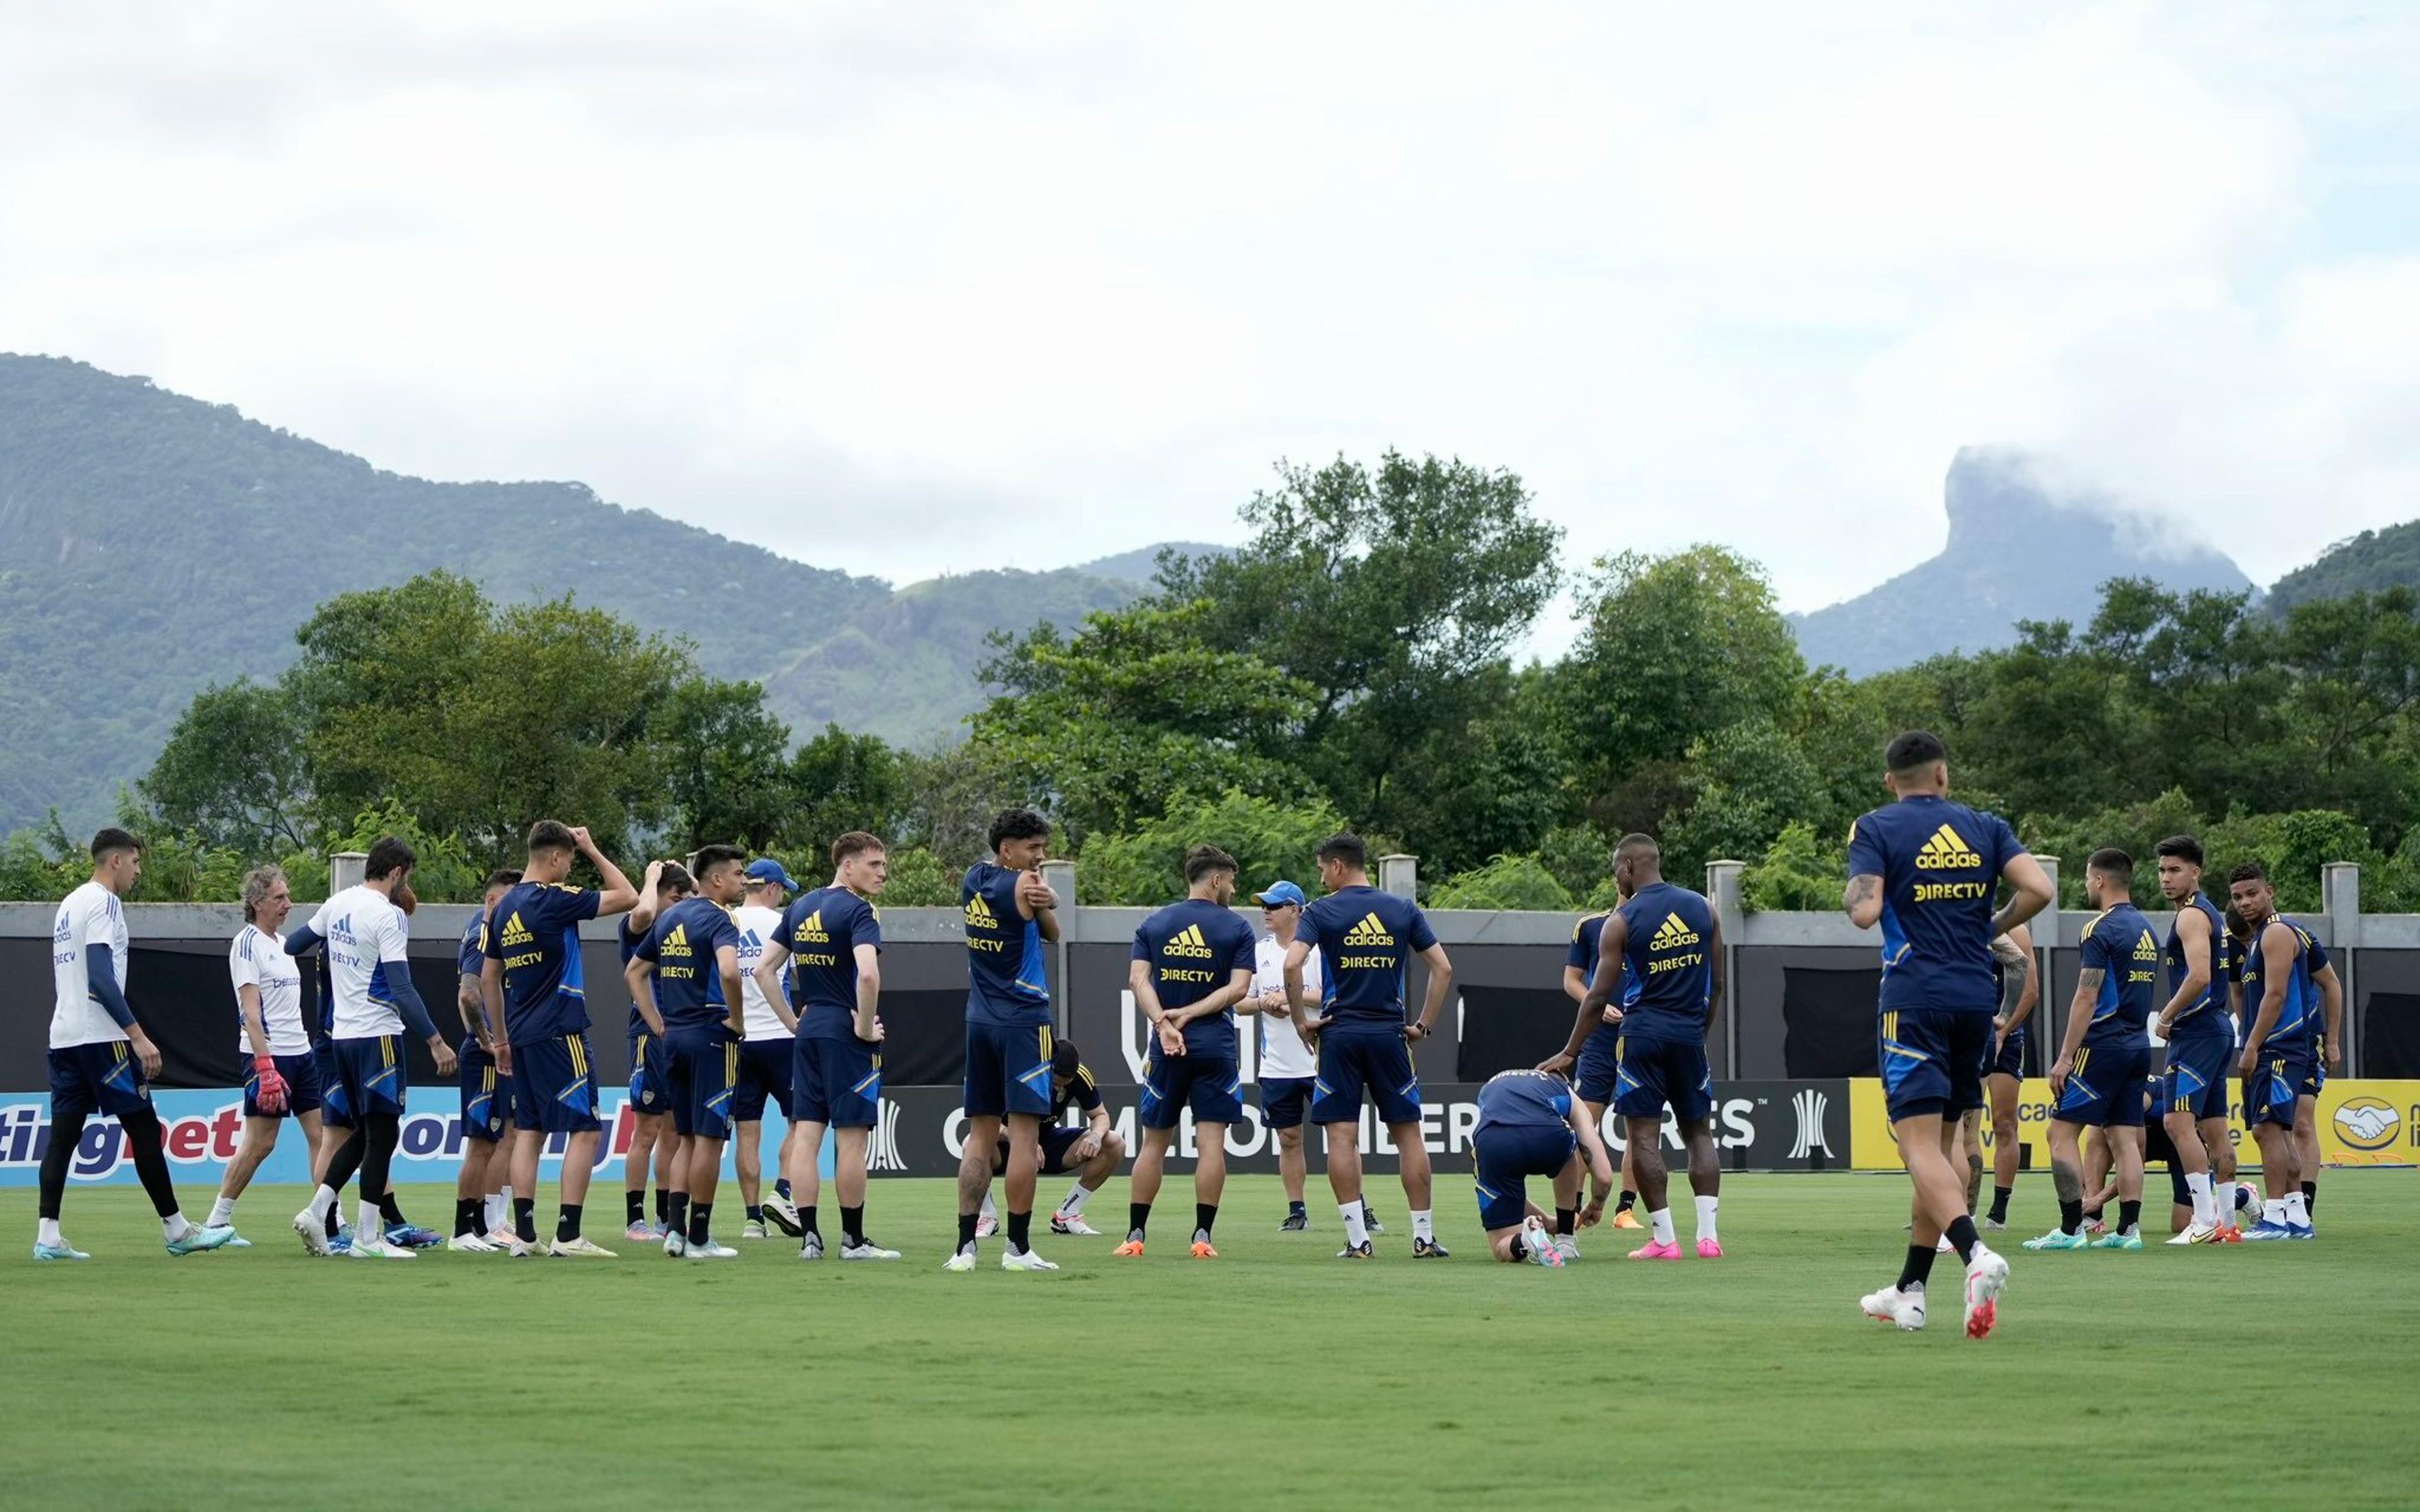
907,289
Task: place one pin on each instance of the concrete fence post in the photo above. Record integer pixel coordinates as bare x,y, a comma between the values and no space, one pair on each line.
1400,875
1723,891
346,868
2340,899
1061,876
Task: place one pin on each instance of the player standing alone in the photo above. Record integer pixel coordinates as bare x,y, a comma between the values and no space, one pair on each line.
1926,868
1010,916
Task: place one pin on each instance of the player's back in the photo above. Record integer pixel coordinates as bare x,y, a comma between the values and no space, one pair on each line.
1940,865
1516,1098
1008,977
361,926
822,930
1668,951
1193,947
2121,944
535,934
757,925
685,945
1366,940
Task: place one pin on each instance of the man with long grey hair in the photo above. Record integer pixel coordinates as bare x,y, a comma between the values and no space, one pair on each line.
284,1078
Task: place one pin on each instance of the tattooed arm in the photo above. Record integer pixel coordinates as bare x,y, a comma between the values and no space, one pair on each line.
1863,900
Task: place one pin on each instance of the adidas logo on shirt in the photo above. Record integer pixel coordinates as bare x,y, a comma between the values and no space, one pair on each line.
2144,950
676,943
1671,935
1188,941
516,933
811,928
1368,933
978,914
1946,852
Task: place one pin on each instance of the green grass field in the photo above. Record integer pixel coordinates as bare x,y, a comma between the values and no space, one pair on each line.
1275,1375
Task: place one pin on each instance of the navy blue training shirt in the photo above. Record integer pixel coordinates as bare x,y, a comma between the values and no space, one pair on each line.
2121,944
1940,863
688,977
1365,939
1587,935
1668,955
1194,948
822,931
537,937
1008,975
2207,1017
1523,1099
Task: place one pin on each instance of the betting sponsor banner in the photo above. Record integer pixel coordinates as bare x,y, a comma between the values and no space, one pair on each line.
2362,1122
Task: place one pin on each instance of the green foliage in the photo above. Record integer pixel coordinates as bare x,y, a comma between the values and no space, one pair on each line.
838,782
1798,871
1505,882
726,765
445,872
1269,840
918,880
1578,857
2367,563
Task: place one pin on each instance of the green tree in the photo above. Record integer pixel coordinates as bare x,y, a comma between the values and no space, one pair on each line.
1145,866
1514,881
918,880
838,782
726,765
232,771
1799,870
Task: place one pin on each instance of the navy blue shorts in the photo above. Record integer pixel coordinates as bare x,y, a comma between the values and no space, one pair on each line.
103,1078
335,1108
1656,1075
2315,1077
370,1070
1283,1101
1008,1069
2195,1081
764,1076
1932,1060
705,1078
1600,1065
2011,1059
303,1094
487,1098
553,1091
1504,1156
1376,1059
2269,1091
1211,1085
2104,1088
651,1076
837,1082
1057,1140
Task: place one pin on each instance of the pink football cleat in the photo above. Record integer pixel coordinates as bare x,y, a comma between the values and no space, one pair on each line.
1709,1250
1653,1251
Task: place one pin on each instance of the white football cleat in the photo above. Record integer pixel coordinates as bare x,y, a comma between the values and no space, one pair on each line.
812,1247
1024,1260
2196,1233
754,1230
867,1251
1568,1248
1944,1247
784,1214
578,1248
378,1249
1986,1273
986,1226
963,1261
524,1249
1541,1244
1902,1309
710,1251
470,1245
313,1230
676,1244
1067,1222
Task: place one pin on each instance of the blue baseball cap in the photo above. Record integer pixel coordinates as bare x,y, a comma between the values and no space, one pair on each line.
1279,895
769,870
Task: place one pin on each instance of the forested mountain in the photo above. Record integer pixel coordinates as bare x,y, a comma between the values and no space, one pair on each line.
2021,548
151,545
2370,561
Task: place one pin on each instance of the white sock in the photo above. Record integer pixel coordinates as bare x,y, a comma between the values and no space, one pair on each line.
1706,1218
495,1212
174,1225
46,1231
2272,1211
1076,1198
1357,1233
370,1223
2204,1203
1661,1220
1422,1226
2296,1213
321,1201
222,1212
989,1210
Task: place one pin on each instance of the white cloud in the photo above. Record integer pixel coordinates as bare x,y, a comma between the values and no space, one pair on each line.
907,291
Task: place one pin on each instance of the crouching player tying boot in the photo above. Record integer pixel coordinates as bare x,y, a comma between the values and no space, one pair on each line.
1528,1127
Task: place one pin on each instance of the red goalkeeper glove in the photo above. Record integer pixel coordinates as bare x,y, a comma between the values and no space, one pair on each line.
271,1091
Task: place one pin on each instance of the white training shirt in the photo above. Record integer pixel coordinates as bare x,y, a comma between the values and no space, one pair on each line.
366,935
1282,1052
757,927
258,960
91,915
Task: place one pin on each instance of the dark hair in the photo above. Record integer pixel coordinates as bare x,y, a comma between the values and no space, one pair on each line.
550,835
1207,860
1912,748
2113,862
1632,843
2247,872
1344,846
2183,847
710,856
503,877
388,857
113,839
674,878
1064,1060
1017,824
856,842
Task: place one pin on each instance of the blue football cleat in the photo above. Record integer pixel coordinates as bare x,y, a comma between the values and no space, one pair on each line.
408,1237
199,1237
60,1251
2265,1231
2301,1231
239,1242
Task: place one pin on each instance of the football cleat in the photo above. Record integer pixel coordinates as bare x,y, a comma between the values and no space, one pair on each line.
2301,1231
60,1251
1709,1250
676,1244
1131,1249
1655,1250
1024,1260
866,1249
1566,1246
2113,1240
784,1214
1295,1222
1993,1226
1943,1246
1544,1248
501,1238
2196,1233
812,1247
411,1237
1357,1251
709,1250
644,1232
313,1232
1203,1250
378,1249
754,1230
986,1226
1904,1310
2265,1231
2231,1234
1986,1276
239,1242
470,1245
1428,1249
1627,1219
2094,1225
1072,1223
963,1261
2057,1238
198,1237
577,1247
1370,1220
524,1249
341,1246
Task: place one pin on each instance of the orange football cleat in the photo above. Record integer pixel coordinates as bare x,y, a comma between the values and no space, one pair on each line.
1131,1248
1202,1250
1626,1219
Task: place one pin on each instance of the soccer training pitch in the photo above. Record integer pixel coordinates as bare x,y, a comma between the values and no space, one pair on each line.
1276,1375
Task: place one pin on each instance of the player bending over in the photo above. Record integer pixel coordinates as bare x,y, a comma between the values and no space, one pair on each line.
1530,1125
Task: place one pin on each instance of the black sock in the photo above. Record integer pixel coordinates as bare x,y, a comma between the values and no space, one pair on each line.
701,1222
755,1211
1918,1268
807,1221
2000,1196
466,1216
1961,1234
1138,1218
525,1219
676,1214
966,1229
1020,1231
566,1222
388,1209
1204,1216
852,1226
2310,1196
2129,1213
663,1205
1629,1200
634,1205
1566,1219
2071,1215
782,1189
2093,1212
1296,1210
335,1218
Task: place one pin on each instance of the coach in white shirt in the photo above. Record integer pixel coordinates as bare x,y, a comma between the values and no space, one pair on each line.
1287,1065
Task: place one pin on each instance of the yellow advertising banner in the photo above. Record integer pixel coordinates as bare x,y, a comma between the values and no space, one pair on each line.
2361,1123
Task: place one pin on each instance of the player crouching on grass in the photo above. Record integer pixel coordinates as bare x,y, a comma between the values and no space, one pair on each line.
1528,1126
1093,1150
